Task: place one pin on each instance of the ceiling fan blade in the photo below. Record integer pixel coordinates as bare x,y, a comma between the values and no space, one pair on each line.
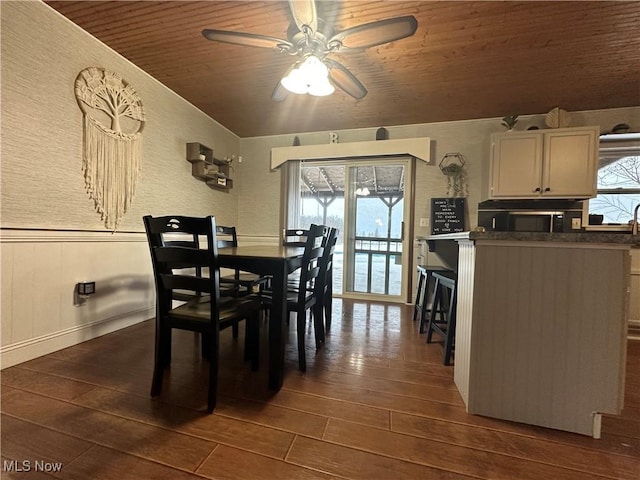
304,13
246,39
345,80
376,33
279,93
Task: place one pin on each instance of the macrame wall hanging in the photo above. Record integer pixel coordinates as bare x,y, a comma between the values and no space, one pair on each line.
113,119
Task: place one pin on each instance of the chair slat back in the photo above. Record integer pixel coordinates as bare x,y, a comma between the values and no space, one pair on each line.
226,236
310,261
295,237
326,261
169,260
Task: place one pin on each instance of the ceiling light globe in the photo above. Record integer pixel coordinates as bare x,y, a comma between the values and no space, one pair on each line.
314,68
321,88
294,82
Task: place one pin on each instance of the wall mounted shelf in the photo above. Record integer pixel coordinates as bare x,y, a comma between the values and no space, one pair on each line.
204,167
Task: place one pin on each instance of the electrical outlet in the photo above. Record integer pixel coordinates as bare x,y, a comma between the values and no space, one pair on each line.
576,223
424,222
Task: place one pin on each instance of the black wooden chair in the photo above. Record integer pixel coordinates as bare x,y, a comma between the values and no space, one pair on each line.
241,283
206,312
295,237
303,297
324,286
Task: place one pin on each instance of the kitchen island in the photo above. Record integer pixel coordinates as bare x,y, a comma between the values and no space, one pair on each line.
541,326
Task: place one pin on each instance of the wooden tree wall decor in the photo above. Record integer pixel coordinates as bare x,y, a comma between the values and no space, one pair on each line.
113,120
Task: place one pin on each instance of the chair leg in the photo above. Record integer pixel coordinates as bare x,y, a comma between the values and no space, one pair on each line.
205,346
327,302
213,373
162,358
254,327
252,341
318,324
301,318
235,329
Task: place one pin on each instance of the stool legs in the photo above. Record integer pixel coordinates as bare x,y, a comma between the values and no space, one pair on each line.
419,309
444,306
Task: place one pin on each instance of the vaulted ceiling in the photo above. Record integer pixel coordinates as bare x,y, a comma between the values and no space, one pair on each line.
466,60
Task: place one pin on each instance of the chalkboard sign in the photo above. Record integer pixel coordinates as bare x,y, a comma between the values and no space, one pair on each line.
447,215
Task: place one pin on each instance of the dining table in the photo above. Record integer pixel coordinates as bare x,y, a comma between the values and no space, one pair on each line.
278,262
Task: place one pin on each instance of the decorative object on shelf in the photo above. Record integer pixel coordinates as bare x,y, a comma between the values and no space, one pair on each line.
213,171
382,134
557,118
510,121
296,141
111,154
453,166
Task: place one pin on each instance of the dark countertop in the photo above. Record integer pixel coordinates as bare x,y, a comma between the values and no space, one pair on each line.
584,237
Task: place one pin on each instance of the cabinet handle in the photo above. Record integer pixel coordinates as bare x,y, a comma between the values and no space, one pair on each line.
537,189
548,189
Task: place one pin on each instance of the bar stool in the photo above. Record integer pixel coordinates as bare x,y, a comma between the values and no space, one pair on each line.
425,293
443,312
422,280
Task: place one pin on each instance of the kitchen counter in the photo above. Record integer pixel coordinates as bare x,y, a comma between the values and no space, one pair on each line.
541,324
582,237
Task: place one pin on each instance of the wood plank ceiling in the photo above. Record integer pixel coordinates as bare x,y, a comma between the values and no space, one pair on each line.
467,60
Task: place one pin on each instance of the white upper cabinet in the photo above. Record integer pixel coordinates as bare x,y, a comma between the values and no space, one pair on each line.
558,163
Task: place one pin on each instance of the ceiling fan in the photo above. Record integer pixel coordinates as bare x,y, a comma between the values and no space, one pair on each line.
311,39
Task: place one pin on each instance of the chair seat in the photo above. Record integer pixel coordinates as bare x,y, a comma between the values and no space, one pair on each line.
245,281
231,308
182,296
245,278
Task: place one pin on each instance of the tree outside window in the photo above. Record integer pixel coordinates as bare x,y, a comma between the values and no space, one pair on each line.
618,184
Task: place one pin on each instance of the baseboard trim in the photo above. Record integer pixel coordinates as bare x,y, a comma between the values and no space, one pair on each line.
20,352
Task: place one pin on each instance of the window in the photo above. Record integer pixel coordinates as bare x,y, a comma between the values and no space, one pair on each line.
618,178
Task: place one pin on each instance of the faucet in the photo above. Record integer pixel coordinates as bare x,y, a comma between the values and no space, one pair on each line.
634,227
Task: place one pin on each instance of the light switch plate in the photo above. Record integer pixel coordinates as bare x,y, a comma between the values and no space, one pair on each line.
576,223
424,222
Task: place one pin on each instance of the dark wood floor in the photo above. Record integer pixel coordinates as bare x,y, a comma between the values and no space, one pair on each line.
375,403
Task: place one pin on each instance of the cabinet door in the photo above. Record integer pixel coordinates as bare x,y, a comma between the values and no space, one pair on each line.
516,165
569,163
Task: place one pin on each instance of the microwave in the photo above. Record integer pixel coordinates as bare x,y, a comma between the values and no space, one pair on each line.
530,221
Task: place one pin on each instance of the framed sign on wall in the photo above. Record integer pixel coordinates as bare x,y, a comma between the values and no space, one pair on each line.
447,215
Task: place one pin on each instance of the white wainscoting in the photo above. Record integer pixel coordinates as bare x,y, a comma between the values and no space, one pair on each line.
39,272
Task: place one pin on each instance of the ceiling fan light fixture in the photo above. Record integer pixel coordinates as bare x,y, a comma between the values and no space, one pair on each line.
322,88
311,76
294,82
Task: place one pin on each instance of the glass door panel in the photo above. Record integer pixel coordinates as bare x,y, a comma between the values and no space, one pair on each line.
375,215
365,201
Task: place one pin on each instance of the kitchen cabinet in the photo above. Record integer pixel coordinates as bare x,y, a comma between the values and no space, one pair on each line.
541,326
558,163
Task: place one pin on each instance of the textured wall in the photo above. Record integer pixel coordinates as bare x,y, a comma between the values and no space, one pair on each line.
43,188
258,208
42,180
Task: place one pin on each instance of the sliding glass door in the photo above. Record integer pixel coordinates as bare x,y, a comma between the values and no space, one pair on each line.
366,202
